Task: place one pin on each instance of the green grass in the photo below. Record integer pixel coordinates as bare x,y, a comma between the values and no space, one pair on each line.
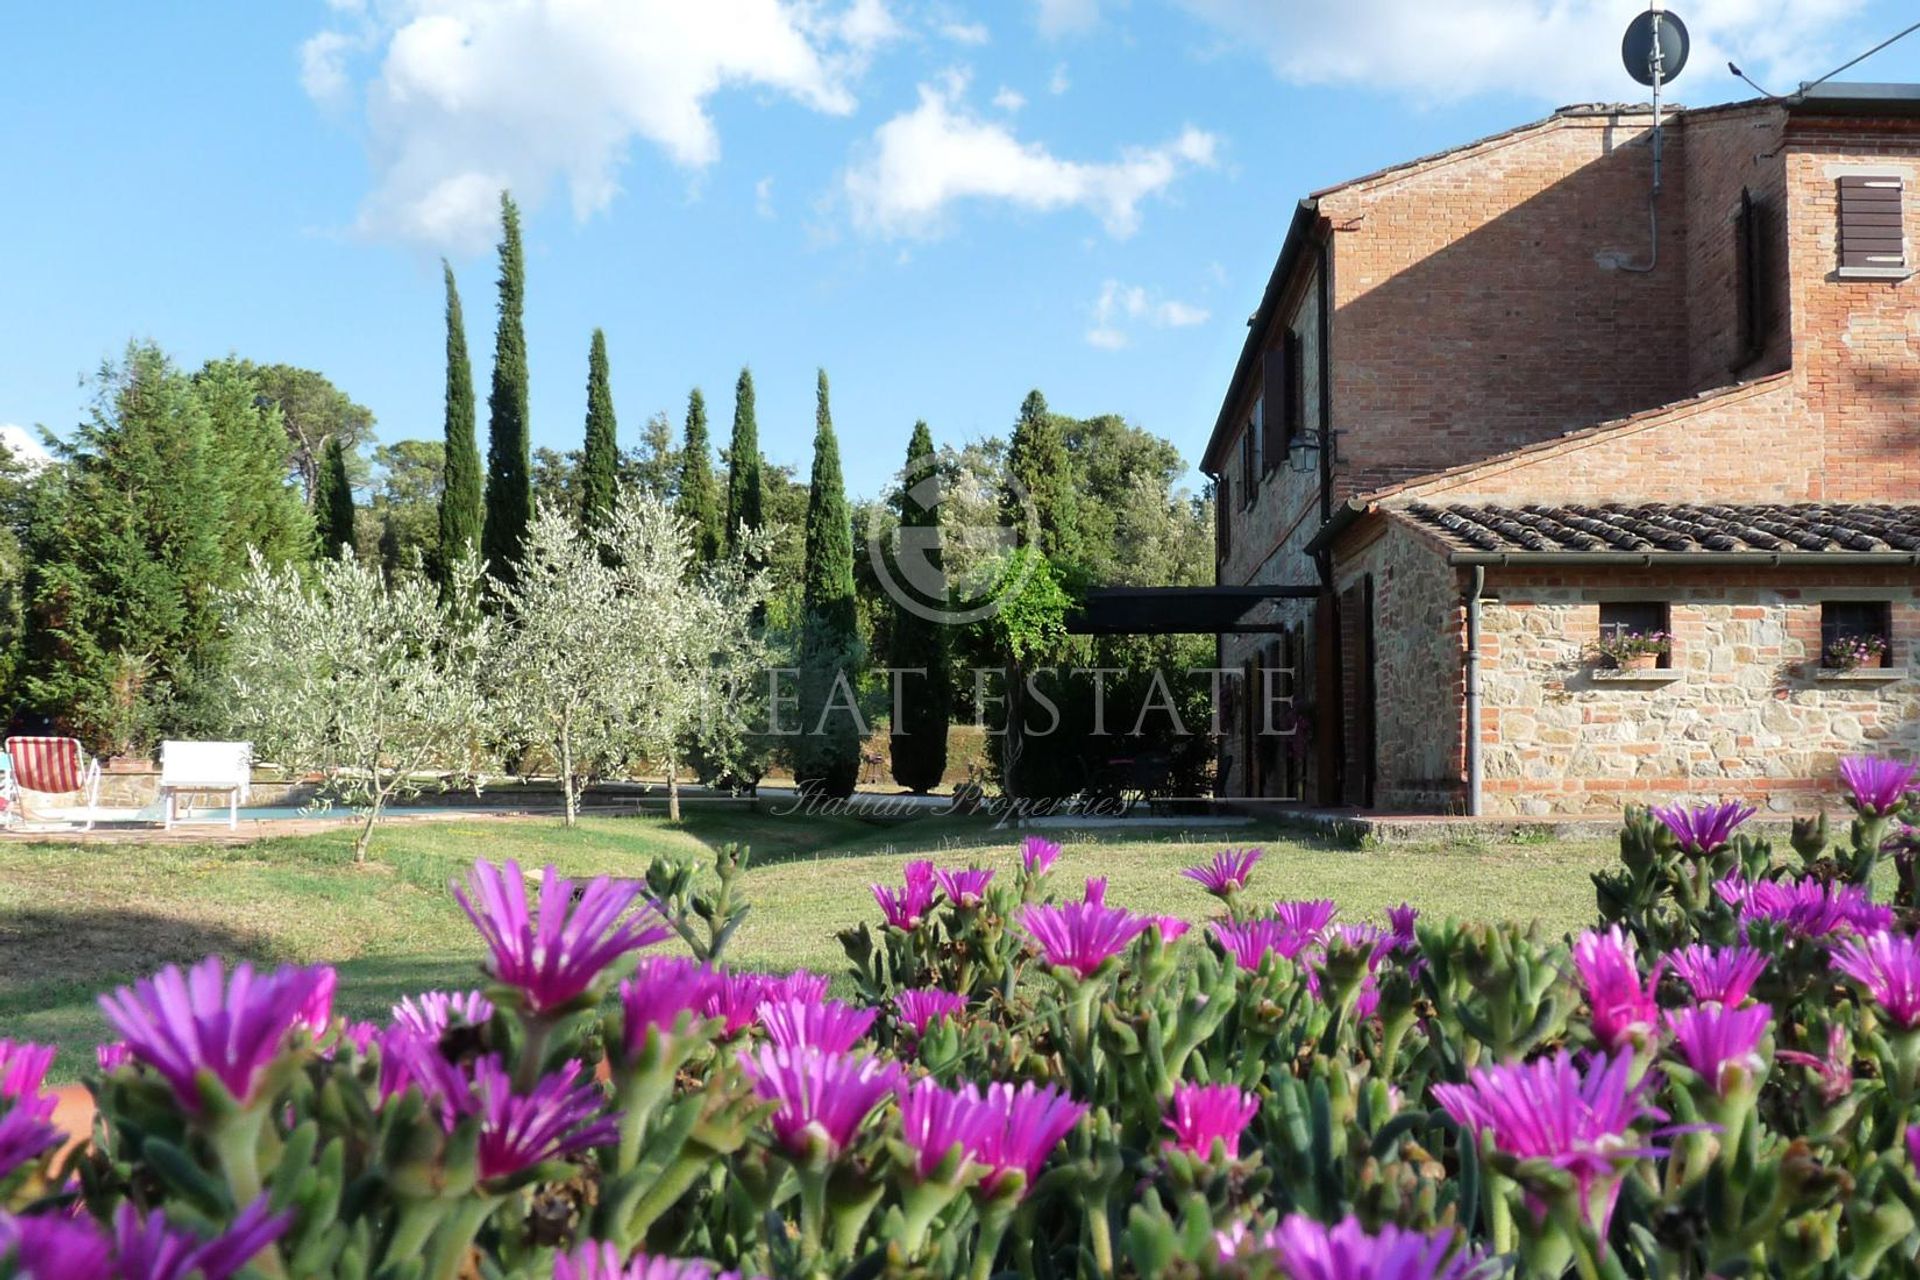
76,919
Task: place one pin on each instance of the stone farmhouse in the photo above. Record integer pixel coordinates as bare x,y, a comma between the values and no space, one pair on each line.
1504,402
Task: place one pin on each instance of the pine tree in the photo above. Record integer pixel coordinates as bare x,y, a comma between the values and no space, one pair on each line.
600,460
253,456
746,491
509,505
830,656
333,502
918,742
460,500
696,502
1038,461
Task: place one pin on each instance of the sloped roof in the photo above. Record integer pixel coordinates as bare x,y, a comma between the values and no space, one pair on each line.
1656,528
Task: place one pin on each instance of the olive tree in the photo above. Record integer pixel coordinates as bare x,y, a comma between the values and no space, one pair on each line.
373,684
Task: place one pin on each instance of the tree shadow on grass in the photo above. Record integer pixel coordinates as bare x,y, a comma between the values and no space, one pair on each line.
45,953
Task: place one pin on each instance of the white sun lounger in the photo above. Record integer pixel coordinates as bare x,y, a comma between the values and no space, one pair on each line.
223,769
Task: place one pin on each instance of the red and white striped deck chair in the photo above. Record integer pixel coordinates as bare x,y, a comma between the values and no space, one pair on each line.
56,766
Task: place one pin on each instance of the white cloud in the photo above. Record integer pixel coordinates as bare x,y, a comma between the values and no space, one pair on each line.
924,160
1067,17
763,197
470,96
1058,83
973,33
1009,100
1123,306
23,445
1557,51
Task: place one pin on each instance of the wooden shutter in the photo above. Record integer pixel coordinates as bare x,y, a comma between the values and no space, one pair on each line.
1275,371
1223,518
1871,229
1296,388
1750,231
1249,477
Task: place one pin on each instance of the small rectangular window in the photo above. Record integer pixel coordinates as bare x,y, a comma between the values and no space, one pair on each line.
1872,228
1645,622
1856,633
1750,279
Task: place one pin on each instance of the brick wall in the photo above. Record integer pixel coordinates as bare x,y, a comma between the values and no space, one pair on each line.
1749,714
1728,152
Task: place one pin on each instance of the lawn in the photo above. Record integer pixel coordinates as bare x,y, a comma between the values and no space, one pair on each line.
75,919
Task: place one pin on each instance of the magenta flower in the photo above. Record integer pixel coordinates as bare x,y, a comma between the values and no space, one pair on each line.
1037,856
1580,1119
317,1013
934,1121
1835,1070
151,1249
1096,892
1250,941
430,1013
1876,787
27,1132
1624,1008
918,1008
557,1119
1401,919
1308,917
48,1246
596,1261
830,1026
1227,874
1024,1126
1081,936
798,985
1719,975
823,1097
23,1069
1311,1250
181,1024
1805,907
660,990
1715,1040
361,1035
1913,1145
112,1056
555,961
965,888
906,909
1172,928
735,998
410,1060
1702,829
1888,966
1207,1113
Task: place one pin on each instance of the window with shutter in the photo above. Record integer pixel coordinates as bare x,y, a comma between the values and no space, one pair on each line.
1296,388
1872,231
1273,405
1750,279
1249,467
1223,518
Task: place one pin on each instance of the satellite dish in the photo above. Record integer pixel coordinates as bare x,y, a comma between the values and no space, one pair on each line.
1636,47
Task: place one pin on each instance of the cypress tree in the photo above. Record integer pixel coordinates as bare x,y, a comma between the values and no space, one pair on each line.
1037,459
509,453
600,461
917,742
333,501
460,509
746,491
830,640
696,502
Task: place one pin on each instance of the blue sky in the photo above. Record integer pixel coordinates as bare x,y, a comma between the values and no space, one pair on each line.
943,203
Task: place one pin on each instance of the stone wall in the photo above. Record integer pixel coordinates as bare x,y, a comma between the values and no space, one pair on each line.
1744,712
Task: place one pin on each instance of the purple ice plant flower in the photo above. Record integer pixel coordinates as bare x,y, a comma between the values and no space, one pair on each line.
1172,928
1577,1118
1624,1009
1835,1070
52,1246
1022,1128
734,998
1207,1113
1037,856
1227,874
919,1007
830,1026
1717,1041
150,1248
965,888
1702,829
1718,975
798,985
823,1098
317,1014
430,1013
1876,787
1805,907
1401,920
27,1131
906,909
23,1069
1307,1249
112,1056
409,1060
660,990
361,1035
555,961
1096,892
1081,936
182,1024
1913,1145
559,1117
1888,966
594,1260
1249,942
935,1121
1308,917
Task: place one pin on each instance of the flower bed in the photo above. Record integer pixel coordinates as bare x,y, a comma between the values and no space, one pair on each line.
1722,1078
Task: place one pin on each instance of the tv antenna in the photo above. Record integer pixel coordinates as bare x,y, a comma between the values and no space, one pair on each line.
1654,51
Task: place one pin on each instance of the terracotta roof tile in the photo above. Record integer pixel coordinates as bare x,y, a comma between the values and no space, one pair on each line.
1668,528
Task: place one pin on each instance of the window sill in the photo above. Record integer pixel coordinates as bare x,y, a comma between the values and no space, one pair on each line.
1651,676
1873,273
1859,675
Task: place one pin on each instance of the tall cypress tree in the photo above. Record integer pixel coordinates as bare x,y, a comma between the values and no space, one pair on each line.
460,509
830,655
509,453
333,502
917,742
746,491
600,460
696,502
1037,458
